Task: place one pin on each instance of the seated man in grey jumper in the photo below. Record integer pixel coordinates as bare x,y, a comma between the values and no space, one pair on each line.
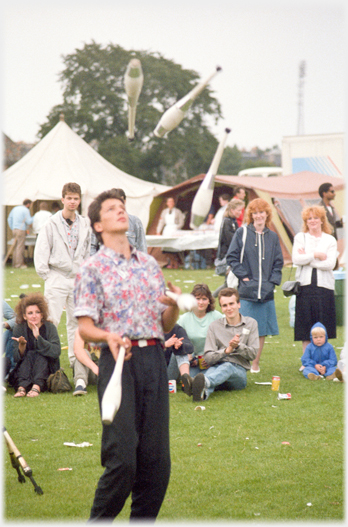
231,343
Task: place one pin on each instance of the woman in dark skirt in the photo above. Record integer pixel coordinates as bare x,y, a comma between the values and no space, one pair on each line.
36,346
315,254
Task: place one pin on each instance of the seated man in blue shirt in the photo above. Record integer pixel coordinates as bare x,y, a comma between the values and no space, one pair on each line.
231,343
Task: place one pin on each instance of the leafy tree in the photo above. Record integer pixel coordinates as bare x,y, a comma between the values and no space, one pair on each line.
231,161
95,106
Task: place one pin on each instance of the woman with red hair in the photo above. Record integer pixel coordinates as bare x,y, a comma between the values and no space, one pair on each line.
315,253
258,271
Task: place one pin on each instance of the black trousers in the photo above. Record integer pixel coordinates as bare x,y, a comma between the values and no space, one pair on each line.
135,446
33,369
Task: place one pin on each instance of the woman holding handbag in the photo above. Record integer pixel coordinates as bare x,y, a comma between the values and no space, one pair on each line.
315,254
258,271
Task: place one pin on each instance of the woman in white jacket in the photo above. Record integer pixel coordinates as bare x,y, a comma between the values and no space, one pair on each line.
315,253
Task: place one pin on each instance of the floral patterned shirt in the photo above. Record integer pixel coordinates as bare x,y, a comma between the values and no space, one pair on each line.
120,295
72,233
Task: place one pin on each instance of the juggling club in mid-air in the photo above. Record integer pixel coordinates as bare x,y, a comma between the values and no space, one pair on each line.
204,196
175,114
133,83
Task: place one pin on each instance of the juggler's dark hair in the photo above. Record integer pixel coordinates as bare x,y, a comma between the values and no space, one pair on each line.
95,207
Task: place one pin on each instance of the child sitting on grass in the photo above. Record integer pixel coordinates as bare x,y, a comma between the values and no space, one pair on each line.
319,358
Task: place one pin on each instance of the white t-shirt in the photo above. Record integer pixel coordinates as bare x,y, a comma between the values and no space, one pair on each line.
40,219
219,217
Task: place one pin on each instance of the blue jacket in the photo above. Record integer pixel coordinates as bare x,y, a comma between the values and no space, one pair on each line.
262,263
324,355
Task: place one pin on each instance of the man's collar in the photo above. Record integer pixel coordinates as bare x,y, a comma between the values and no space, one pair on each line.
240,323
111,253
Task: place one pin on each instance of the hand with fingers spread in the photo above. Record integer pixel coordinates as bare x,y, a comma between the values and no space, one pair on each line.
21,344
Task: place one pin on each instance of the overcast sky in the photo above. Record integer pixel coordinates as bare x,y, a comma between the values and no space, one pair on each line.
258,44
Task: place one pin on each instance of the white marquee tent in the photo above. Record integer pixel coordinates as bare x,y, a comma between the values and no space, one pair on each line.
62,156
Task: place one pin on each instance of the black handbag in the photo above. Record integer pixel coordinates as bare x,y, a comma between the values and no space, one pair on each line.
291,287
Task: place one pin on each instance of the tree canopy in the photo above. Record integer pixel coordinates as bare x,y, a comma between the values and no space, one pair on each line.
95,106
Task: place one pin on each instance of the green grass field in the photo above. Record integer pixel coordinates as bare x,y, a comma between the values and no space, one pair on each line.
247,456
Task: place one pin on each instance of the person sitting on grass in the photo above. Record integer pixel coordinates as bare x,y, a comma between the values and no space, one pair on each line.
177,347
196,324
36,347
319,359
231,343
85,369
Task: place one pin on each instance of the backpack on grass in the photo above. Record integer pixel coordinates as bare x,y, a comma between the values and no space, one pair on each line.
58,382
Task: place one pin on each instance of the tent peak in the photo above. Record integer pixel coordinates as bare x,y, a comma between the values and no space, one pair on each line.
61,117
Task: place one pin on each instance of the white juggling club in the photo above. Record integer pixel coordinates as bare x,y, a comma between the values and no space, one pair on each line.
185,301
204,196
175,114
133,83
112,396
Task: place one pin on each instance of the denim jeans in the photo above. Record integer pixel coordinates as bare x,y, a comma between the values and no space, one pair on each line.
230,375
8,346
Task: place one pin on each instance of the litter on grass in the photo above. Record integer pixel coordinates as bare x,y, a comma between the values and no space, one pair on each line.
284,396
79,444
285,443
36,285
189,281
64,468
23,286
200,408
263,383
309,504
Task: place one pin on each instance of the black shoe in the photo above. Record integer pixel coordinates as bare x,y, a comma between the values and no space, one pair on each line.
80,391
198,386
187,384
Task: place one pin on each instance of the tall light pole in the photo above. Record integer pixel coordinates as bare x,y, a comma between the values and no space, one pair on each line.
300,123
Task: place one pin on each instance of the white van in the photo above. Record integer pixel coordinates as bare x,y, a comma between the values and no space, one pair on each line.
261,172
